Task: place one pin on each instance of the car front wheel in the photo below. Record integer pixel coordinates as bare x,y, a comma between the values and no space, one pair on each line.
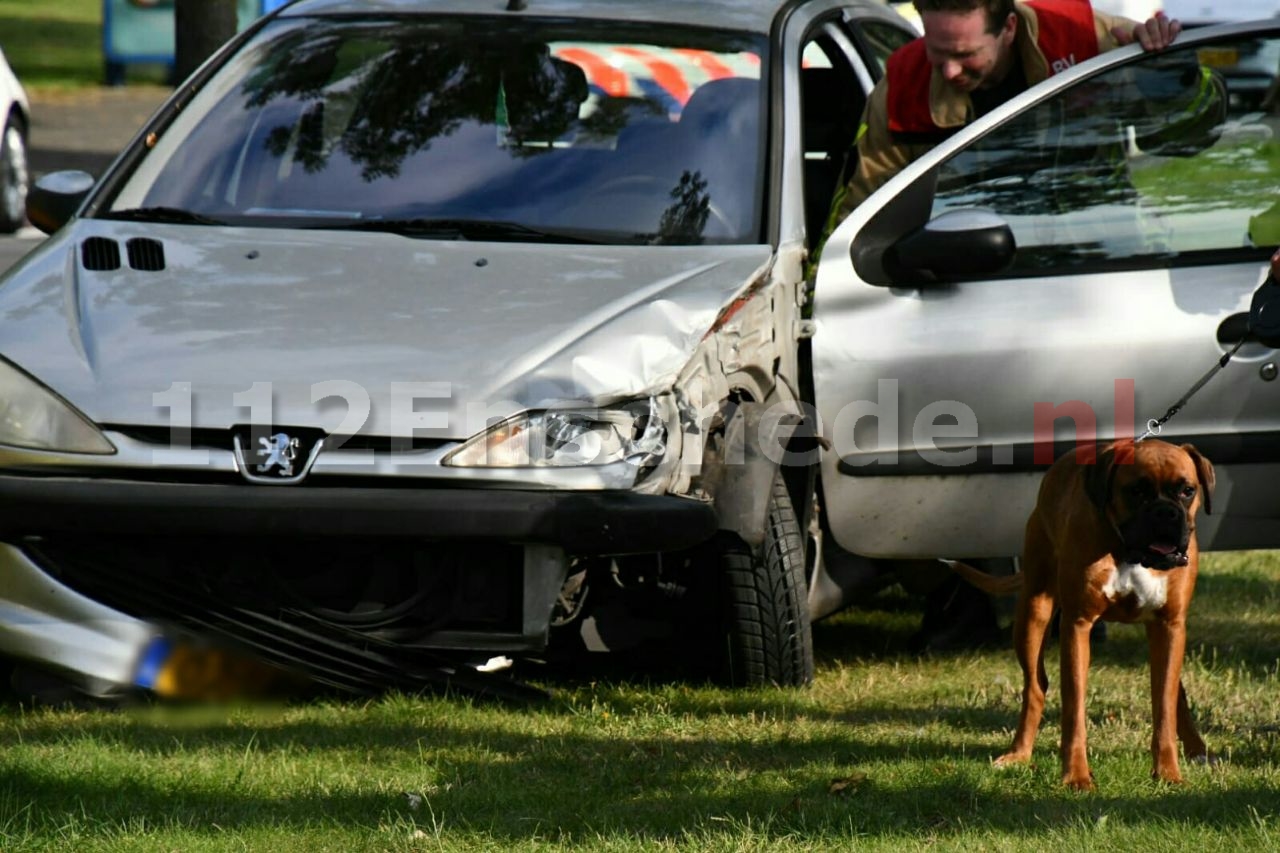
765,604
13,177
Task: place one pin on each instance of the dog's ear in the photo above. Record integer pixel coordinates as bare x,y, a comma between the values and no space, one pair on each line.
1099,476
1204,473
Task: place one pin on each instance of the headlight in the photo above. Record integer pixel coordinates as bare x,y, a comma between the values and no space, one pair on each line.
33,416
632,433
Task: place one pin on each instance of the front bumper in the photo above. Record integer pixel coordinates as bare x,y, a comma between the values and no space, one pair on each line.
92,571
582,523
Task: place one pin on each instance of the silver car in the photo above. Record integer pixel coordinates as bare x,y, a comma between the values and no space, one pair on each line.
410,337
1064,271
14,174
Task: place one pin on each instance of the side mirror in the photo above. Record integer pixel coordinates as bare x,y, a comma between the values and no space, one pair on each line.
956,245
56,197
1264,312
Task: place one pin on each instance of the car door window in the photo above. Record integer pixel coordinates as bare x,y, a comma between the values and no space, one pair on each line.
879,39
831,101
840,64
1150,163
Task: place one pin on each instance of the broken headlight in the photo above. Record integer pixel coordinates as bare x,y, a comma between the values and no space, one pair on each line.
631,432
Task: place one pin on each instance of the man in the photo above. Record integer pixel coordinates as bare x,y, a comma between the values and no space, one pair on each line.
974,56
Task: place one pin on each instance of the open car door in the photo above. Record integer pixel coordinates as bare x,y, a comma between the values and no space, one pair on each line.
1065,269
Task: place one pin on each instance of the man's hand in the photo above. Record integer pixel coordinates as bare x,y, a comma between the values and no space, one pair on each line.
1155,34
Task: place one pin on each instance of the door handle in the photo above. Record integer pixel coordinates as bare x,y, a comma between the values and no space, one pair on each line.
1233,329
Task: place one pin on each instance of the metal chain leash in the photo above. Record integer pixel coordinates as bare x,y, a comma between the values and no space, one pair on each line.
1155,424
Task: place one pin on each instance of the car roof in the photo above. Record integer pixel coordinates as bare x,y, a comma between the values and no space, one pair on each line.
1208,11
745,15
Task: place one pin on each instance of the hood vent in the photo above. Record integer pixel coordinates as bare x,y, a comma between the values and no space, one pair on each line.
145,254
100,254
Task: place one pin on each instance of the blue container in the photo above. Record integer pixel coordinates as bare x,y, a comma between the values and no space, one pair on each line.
140,32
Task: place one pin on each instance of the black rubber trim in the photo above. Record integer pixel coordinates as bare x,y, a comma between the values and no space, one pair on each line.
582,522
1220,449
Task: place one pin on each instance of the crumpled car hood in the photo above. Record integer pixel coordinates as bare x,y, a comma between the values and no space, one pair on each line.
440,336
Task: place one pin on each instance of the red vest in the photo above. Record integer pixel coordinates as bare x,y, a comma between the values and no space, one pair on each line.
1066,36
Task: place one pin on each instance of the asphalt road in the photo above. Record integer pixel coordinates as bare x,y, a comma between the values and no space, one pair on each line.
14,247
79,130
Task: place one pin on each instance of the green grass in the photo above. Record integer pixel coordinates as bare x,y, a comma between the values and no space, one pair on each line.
57,44
53,43
629,765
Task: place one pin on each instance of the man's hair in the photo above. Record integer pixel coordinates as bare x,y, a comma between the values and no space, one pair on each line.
998,11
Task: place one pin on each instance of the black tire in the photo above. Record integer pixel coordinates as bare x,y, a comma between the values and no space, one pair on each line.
766,610
14,177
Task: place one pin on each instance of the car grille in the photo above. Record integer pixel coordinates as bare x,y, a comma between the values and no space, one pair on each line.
220,439
100,254
358,616
145,254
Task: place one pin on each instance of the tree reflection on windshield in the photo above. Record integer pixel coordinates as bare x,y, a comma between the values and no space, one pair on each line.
411,93
325,121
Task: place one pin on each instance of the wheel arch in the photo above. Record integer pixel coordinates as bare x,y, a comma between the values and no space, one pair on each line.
19,112
760,441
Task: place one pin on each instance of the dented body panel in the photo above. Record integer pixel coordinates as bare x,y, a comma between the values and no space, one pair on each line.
479,332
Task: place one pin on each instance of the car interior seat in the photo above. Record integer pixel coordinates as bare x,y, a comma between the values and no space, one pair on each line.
831,110
721,128
727,109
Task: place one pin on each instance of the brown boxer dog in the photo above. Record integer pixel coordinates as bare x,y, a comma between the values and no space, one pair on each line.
1115,541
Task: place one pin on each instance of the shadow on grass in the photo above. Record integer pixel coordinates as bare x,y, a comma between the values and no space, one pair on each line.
928,765
516,787
1219,629
490,776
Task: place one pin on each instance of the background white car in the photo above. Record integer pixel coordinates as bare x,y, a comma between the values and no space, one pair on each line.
14,175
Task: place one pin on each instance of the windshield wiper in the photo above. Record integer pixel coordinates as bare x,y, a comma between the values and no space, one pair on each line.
174,215
460,229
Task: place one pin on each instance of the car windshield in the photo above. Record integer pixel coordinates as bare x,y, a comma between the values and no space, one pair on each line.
472,129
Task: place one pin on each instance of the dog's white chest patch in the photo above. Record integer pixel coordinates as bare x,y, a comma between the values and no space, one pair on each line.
1137,580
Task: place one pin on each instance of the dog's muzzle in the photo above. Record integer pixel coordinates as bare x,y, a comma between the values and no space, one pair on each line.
1157,537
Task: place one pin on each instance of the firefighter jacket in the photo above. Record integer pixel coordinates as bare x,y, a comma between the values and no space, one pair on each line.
912,108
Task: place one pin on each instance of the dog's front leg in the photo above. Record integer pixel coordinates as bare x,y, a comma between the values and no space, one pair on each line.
1074,638
1166,639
